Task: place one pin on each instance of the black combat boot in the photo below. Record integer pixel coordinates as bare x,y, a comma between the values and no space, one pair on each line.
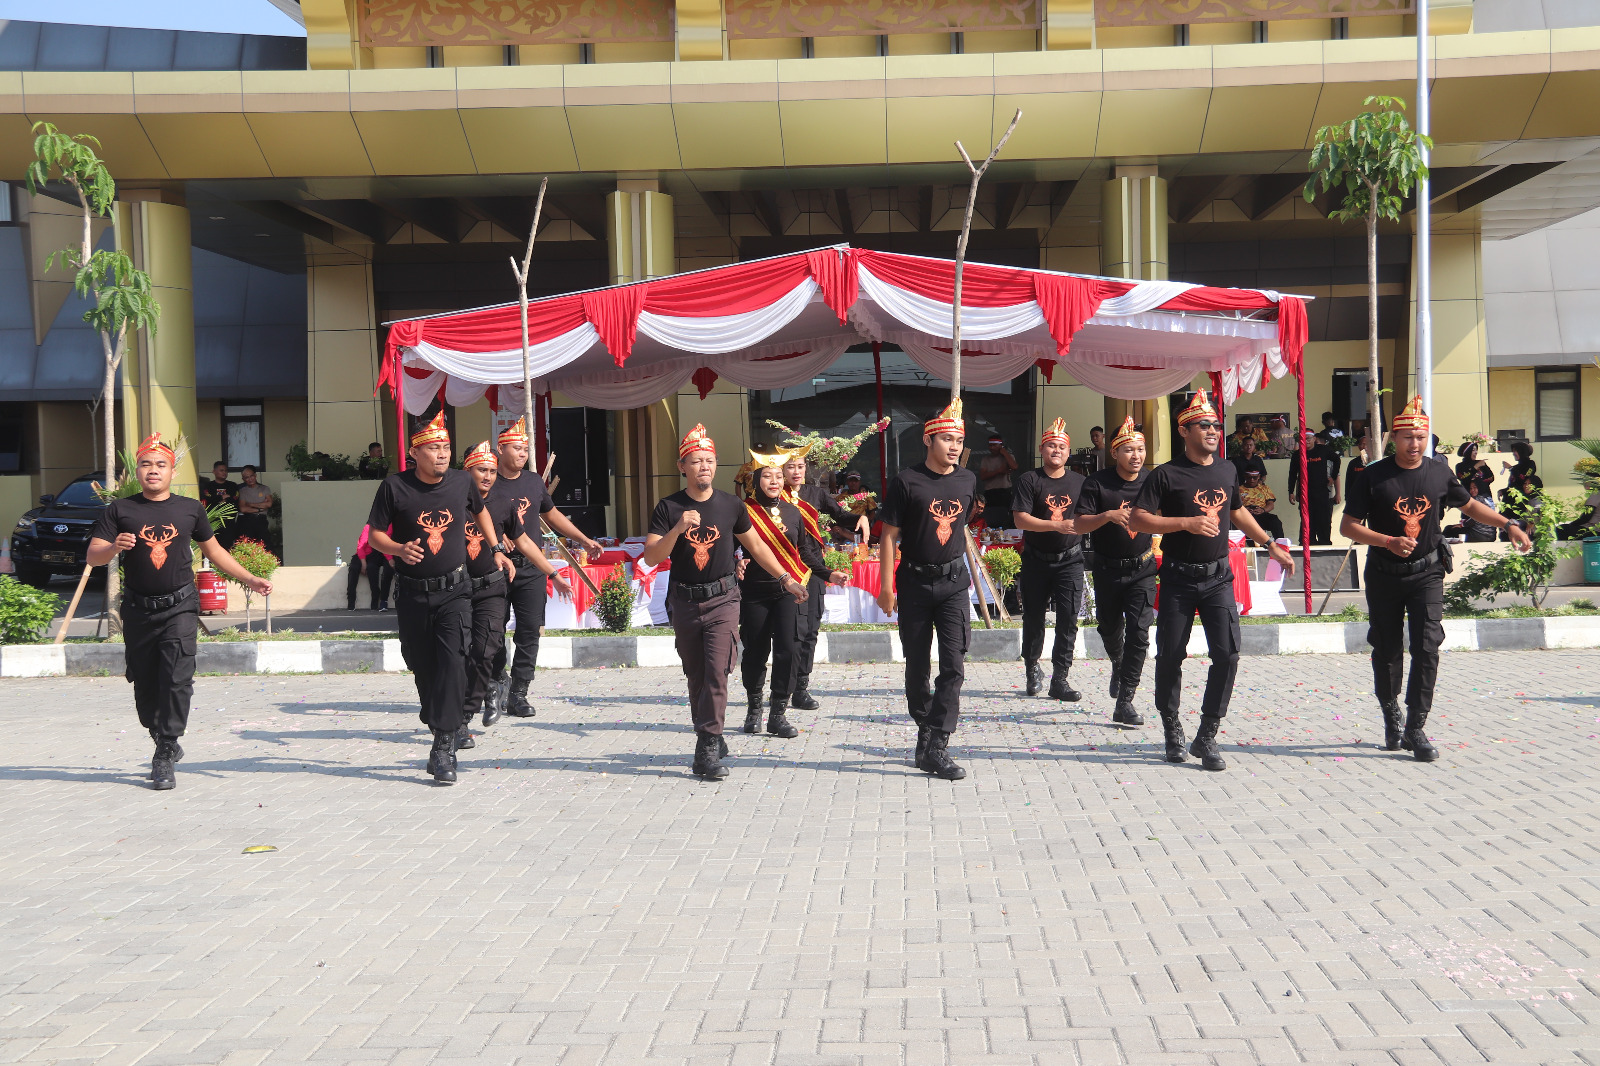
752,711
1035,677
517,705
923,734
1060,689
707,756
161,775
803,700
1126,715
177,749
1173,728
491,703
442,759
937,760
777,724
464,738
1115,686
1415,740
1391,725
1205,744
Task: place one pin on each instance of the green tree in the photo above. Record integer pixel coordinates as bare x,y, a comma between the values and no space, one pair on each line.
121,294
1373,161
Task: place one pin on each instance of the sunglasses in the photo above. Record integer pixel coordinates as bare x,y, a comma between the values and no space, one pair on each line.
1206,425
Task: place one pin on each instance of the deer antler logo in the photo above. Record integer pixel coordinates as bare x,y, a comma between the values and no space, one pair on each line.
523,503
1412,509
945,512
158,543
703,537
474,540
1211,501
1058,506
435,524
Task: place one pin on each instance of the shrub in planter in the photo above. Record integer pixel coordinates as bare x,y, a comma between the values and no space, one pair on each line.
1003,564
25,612
838,560
1515,573
614,607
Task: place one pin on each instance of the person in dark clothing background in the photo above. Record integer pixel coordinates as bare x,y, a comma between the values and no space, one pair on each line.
377,567
153,532
1322,473
813,501
1244,459
220,490
1052,561
1473,472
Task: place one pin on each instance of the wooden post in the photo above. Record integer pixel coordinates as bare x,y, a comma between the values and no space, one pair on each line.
72,607
977,582
961,249
521,274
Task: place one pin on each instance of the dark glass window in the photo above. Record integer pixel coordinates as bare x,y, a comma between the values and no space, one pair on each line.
1556,402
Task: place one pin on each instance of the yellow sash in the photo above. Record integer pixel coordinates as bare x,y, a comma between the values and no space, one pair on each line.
774,539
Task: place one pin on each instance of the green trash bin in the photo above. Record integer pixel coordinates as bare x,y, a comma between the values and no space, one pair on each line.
1591,560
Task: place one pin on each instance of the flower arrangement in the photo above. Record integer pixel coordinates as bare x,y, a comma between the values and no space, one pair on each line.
1481,439
837,560
859,502
829,453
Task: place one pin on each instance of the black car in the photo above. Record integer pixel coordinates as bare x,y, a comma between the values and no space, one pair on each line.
53,538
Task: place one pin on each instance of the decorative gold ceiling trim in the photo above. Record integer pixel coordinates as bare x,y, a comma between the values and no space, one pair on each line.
1191,12
766,19
388,23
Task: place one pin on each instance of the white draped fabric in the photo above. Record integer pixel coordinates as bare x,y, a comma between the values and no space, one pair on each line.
979,369
728,333
932,317
1131,383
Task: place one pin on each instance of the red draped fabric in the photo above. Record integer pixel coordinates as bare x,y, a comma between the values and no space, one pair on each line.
1069,302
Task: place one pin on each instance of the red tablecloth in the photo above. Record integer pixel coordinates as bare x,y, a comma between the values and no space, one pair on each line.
582,598
865,575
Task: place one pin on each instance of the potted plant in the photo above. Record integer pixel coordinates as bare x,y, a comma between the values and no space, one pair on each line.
257,560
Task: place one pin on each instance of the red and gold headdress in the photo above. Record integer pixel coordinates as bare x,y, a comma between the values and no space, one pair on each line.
1126,434
1057,432
433,431
516,433
154,443
696,440
480,455
1412,416
947,421
1199,407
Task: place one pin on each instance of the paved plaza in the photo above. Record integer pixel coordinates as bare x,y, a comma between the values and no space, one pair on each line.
579,898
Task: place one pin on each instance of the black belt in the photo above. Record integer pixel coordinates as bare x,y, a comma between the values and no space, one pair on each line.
1195,571
934,571
709,590
434,584
481,583
1400,567
1134,562
1072,554
158,603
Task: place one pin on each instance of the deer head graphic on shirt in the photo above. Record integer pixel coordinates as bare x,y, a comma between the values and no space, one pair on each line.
703,537
945,512
435,523
1058,506
158,542
1412,509
523,503
1211,501
474,540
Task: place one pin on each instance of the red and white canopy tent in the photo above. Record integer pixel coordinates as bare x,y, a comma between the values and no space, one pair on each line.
774,323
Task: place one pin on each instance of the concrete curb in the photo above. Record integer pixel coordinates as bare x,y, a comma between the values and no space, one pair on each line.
866,646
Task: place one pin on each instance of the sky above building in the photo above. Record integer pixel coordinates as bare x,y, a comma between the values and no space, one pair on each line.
211,16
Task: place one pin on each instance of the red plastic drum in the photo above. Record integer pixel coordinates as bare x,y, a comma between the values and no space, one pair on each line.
213,592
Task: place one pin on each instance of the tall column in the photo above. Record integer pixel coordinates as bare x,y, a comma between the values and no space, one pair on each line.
344,414
641,232
700,30
1068,24
1133,244
158,370
1460,347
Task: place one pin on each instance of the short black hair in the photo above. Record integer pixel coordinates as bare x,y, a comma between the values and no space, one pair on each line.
218,463
250,468
1329,414
1097,429
375,444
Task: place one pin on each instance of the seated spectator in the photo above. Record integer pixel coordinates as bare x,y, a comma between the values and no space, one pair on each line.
854,487
1474,472
373,466
1524,464
255,499
977,523
1474,532
1245,459
220,490
378,568
1524,506
1259,500
1586,524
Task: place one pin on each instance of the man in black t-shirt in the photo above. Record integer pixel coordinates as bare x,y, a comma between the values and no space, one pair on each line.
1190,502
1042,502
925,513
1395,507
419,519
527,493
697,526
1124,566
160,606
1322,486
220,490
820,502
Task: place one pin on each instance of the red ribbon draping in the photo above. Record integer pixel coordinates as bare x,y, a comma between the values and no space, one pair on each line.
646,577
1047,367
1068,302
705,379
614,313
982,285
1292,330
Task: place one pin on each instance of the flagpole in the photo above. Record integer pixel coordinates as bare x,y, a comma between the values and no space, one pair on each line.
1424,229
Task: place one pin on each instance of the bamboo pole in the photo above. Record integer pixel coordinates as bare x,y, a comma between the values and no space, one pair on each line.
521,274
72,607
961,249
977,582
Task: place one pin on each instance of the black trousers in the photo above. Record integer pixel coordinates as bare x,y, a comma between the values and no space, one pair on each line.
1124,607
1272,525
1321,523
706,634
810,625
770,625
528,595
1045,585
489,608
1393,602
380,578
435,637
159,649
1213,599
928,608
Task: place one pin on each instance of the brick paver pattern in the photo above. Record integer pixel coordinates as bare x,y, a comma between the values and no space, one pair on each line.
579,898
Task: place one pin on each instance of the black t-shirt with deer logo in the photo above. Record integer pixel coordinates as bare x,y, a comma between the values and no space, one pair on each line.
1185,489
437,515
480,557
163,560
1106,490
528,496
1398,502
703,554
1036,493
932,511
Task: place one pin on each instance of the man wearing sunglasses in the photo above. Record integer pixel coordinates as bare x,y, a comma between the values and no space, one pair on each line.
1192,502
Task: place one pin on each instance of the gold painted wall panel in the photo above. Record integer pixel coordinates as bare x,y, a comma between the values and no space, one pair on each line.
315,144
625,137
415,142
793,18
518,140
457,22
714,136
1188,12
214,145
834,132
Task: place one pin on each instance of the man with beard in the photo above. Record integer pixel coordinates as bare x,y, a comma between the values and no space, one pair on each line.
160,605
813,501
1124,566
419,519
1052,560
1191,501
925,513
1394,508
527,493
697,527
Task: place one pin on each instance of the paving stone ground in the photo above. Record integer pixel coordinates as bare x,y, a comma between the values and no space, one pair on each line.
578,898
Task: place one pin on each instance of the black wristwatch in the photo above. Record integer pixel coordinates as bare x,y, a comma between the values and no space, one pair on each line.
501,549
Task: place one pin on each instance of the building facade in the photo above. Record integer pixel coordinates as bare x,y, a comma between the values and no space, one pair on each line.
291,196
